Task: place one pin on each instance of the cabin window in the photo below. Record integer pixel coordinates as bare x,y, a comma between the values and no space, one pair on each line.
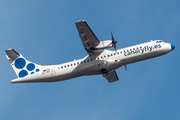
114,53
65,66
71,64
101,56
111,54
81,62
87,60
74,63
117,52
62,67
108,55
78,63
91,59
84,61
68,65
104,56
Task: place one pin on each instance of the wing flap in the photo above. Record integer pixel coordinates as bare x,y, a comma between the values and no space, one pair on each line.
111,76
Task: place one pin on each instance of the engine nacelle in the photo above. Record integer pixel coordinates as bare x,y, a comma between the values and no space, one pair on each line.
109,65
104,44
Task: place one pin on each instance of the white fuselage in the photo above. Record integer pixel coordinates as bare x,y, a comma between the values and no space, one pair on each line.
98,63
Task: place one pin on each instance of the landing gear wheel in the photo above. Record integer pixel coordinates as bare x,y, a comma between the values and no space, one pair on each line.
103,70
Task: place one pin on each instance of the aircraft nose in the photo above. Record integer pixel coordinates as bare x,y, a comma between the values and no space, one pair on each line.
172,47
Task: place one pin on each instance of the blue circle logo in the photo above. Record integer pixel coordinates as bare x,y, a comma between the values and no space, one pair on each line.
37,70
23,73
30,66
20,63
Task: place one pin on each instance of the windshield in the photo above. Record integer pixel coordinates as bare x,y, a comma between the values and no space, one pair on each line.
159,41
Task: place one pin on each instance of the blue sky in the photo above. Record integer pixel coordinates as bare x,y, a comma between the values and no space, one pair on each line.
44,32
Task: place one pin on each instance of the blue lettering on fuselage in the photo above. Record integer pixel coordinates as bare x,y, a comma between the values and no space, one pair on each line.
141,50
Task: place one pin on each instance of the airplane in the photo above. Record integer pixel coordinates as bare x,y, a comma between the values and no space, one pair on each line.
99,60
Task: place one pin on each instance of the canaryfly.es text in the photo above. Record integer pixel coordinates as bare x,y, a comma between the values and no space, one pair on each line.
140,50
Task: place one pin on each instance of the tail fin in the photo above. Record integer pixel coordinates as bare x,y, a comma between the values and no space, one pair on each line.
20,65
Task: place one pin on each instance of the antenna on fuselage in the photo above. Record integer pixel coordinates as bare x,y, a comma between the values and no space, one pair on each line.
125,67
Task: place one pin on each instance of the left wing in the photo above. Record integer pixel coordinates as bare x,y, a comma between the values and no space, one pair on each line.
88,38
111,76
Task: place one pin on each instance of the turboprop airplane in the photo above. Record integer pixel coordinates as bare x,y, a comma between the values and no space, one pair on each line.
98,61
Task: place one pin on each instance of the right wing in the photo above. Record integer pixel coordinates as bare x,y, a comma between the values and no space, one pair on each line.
111,76
88,38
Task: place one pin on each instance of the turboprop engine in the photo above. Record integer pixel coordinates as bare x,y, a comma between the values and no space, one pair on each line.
104,44
107,44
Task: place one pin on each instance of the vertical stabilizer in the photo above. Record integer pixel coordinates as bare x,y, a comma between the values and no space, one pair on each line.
20,65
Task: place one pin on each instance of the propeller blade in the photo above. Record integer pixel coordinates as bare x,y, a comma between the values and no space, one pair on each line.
115,47
112,37
113,41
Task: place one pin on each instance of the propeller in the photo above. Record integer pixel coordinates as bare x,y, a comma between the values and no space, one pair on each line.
113,41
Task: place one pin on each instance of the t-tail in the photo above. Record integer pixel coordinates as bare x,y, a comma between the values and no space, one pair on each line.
20,65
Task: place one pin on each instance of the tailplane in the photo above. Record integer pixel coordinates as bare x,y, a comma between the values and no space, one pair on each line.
20,65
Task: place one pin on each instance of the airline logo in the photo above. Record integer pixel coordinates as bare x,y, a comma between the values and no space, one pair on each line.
25,67
46,71
141,50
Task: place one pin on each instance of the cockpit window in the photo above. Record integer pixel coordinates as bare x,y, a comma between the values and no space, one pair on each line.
159,41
